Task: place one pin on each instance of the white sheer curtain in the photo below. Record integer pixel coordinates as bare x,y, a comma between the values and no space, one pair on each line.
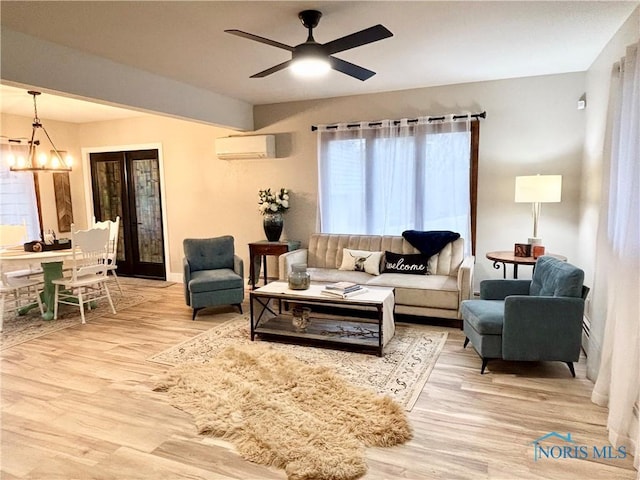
18,203
387,177
618,383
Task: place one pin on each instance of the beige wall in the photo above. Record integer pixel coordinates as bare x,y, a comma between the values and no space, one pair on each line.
532,126
598,81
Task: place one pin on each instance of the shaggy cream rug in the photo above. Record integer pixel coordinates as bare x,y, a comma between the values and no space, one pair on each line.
279,411
401,374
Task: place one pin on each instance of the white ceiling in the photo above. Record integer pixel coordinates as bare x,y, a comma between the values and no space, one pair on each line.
434,43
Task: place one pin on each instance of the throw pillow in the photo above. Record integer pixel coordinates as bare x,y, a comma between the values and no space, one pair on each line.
361,261
415,263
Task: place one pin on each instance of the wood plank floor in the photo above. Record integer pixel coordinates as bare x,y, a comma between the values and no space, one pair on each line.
77,404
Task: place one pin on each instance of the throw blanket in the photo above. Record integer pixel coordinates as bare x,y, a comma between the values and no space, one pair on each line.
430,243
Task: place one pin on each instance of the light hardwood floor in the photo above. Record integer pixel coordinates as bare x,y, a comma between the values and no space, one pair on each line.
78,404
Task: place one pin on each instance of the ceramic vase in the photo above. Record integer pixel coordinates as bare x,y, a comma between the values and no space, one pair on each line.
273,223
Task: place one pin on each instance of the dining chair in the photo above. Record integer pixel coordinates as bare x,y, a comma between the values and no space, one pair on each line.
12,235
88,280
112,253
18,293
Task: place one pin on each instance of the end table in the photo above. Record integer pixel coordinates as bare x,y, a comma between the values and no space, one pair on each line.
508,257
258,252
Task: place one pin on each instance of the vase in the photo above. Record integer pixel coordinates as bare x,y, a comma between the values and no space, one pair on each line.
273,223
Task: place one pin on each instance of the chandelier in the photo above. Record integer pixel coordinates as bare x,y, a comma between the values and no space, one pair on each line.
40,161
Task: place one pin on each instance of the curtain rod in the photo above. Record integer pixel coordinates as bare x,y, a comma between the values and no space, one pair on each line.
475,116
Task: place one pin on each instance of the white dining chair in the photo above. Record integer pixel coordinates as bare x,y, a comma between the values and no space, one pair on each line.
88,280
14,236
18,293
112,253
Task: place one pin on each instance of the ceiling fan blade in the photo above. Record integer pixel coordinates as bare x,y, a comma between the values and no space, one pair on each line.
271,70
351,69
368,35
256,38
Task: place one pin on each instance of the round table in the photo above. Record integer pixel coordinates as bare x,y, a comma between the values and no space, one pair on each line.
51,263
508,257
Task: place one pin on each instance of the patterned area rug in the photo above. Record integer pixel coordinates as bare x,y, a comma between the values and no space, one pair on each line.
144,282
401,374
18,329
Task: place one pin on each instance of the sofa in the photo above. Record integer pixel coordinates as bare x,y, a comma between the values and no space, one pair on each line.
437,294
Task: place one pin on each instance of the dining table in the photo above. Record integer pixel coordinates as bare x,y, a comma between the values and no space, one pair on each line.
49,263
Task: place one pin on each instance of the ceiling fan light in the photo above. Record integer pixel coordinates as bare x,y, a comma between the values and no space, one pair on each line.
310,66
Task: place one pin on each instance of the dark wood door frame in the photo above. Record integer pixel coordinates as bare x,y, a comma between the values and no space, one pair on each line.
86,163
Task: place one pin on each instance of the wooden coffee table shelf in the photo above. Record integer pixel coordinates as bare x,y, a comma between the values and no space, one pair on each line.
335,330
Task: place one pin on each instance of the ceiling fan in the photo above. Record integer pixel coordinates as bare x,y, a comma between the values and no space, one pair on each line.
312,57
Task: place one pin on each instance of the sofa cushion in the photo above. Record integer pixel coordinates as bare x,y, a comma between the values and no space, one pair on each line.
361,261
407,263
325,250
485,316
435,291
331,275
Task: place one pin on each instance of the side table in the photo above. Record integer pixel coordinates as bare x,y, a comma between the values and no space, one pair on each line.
508,257
258,252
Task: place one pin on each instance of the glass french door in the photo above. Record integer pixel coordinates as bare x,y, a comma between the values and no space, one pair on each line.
128,184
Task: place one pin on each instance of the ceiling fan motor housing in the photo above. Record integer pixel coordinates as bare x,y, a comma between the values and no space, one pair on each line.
310,18
308,50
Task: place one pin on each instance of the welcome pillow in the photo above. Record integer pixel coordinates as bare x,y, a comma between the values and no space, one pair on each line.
361,261
415,263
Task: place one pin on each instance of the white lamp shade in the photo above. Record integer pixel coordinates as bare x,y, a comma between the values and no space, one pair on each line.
539,189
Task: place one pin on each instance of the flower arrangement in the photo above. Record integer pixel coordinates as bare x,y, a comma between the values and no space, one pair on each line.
273,202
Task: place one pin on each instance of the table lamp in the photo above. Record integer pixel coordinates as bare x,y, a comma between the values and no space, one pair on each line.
537,189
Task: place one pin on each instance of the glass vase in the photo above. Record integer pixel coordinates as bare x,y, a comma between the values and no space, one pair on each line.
273,224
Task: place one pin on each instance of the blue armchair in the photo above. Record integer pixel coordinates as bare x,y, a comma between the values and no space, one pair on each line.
213,274
529,320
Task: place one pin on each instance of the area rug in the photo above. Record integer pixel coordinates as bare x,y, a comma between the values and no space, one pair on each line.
144,282
401,374
18,329
281,412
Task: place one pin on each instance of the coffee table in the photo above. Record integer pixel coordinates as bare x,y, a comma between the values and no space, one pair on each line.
270,317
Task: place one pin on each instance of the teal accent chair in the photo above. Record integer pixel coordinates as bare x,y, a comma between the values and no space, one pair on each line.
529,320
213,273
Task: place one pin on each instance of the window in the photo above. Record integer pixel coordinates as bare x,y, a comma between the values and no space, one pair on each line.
385,178
18,202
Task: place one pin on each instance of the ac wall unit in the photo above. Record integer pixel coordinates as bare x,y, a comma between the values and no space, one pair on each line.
254,146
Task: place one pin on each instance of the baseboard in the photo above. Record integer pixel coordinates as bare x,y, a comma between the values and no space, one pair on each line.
175,277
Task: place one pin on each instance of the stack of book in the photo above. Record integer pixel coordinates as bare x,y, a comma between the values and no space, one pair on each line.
343,289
